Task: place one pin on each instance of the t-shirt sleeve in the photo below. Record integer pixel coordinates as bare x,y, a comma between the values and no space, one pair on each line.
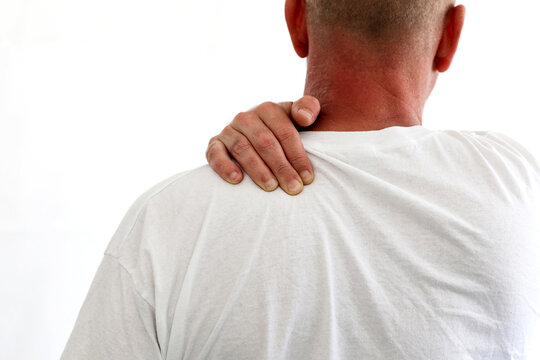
115,321
517,148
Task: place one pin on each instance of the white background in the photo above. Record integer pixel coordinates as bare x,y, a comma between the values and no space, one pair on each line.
101,99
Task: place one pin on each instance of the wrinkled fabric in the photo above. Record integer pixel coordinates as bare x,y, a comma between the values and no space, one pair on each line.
410,244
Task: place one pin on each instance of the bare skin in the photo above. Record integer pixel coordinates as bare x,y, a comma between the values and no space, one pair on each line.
356,89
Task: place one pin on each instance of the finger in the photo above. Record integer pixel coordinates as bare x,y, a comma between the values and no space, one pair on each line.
243,152
277,120
304,111
219,160
268,147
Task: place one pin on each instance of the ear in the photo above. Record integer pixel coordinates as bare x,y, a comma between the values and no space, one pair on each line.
448,44
295,14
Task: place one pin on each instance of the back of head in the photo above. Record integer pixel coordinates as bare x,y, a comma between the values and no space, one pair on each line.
411,24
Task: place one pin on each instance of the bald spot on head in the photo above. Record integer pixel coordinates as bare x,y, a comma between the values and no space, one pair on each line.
408,24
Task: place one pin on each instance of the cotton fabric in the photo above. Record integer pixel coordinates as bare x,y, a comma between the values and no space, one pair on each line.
410,244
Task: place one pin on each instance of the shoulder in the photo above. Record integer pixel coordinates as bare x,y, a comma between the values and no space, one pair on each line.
514,147
179,188
499,149
514,151
181,202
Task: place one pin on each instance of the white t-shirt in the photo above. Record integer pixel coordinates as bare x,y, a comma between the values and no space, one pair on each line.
410,244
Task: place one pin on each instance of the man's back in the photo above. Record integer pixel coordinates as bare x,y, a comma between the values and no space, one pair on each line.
410,244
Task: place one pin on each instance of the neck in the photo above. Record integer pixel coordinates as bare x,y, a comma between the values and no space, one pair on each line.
363,95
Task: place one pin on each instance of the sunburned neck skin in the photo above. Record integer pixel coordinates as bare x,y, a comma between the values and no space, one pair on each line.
358,93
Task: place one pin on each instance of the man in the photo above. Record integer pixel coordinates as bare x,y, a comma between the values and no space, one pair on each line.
409,244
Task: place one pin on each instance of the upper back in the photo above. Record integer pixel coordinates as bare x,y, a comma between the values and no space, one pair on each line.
410,243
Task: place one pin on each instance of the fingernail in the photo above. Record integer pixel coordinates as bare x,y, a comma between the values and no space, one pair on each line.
306,113
235,177
294,186
271,184
306,176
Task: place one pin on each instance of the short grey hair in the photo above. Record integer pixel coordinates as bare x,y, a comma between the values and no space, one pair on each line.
379,21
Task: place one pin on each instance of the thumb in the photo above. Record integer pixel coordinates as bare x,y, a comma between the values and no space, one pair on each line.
305,110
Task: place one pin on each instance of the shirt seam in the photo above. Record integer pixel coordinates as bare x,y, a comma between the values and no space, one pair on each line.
117,261
143,206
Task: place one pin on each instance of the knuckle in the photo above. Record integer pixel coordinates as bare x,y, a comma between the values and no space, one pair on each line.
298,160
239,115
212,151
286,133
209,151
283,169
227,131
242,119
253,165
266,141
212,140
267,106
240,146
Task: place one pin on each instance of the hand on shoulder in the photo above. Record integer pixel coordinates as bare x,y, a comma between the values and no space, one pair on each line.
265,142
